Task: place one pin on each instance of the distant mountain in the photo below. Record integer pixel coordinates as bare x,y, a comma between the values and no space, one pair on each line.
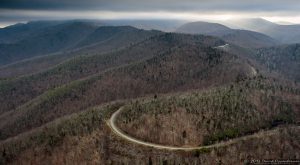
282,33
105,33
159,24
52,39
255,24
46,37
103,40
249,39
239,37
20,31
206,28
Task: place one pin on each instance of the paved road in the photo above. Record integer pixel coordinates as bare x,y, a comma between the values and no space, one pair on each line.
222,46
120,133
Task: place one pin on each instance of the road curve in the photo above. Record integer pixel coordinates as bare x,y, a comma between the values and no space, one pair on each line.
117,131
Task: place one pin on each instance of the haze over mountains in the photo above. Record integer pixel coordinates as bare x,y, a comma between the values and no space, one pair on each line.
282,33
197,86
239,37
16,42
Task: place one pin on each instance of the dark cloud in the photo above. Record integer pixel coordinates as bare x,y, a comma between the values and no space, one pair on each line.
152,5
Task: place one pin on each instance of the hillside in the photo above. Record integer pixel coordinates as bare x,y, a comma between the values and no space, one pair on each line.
244,38
187,65
212,116
28,87
281,62
283,59
85,137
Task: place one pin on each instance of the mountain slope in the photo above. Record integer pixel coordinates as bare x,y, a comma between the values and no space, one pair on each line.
185,66
206,118
283,59
17,91
239,37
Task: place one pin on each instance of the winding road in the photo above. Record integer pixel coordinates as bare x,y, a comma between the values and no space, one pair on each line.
117,131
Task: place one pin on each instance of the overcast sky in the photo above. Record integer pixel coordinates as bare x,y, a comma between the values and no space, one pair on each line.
12,11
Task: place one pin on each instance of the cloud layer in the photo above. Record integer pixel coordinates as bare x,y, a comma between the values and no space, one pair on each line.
24,10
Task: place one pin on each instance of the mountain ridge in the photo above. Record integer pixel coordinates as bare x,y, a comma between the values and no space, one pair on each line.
286,34
243,38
